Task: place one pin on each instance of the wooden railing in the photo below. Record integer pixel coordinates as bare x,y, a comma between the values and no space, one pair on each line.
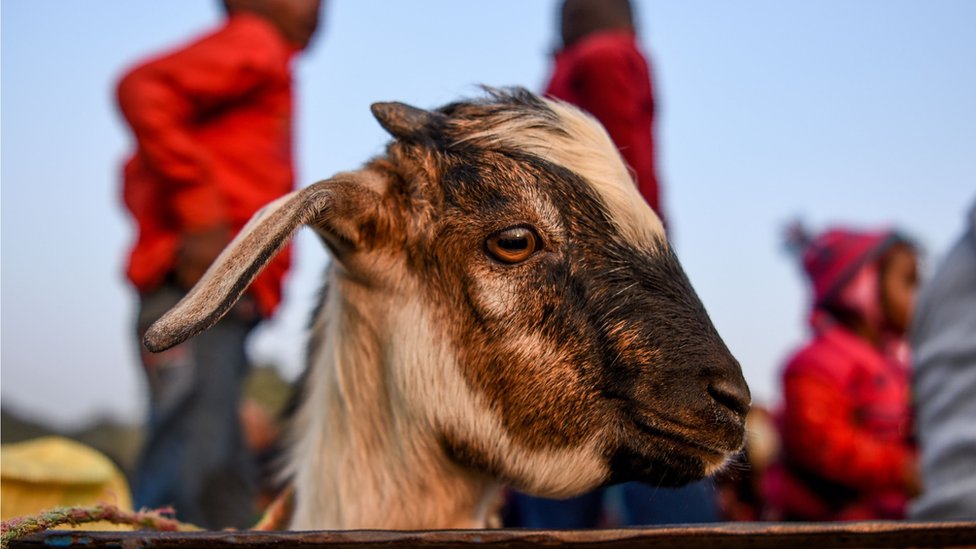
715,536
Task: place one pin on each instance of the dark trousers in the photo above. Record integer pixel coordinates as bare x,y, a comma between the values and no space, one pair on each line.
194,457
630,504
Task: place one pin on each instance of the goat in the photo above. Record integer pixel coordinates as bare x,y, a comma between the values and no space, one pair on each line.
502,308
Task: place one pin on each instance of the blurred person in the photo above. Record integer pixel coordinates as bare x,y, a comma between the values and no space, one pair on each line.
262,432
944,349
212,121
602,70
845,426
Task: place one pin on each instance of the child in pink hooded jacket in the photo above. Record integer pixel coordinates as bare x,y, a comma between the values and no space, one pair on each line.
847,449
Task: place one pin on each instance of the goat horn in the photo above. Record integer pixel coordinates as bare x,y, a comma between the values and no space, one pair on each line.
404,121
253,247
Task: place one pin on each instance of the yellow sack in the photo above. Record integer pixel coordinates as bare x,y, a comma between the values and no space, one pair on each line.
57,472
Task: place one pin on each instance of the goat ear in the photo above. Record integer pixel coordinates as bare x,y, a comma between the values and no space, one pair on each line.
342,197
405,122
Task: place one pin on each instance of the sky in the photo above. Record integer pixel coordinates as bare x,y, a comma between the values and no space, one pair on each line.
861,113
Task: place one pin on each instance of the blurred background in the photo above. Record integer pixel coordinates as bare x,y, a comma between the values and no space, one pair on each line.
831,111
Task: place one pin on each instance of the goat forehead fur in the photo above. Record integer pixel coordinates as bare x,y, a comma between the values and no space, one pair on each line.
563,135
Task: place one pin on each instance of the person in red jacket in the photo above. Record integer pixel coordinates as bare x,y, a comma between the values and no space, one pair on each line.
602,70
212,121
847,445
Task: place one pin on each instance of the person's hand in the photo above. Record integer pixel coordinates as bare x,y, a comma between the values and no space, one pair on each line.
198,249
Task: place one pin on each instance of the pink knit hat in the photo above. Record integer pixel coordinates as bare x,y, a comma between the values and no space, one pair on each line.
841,263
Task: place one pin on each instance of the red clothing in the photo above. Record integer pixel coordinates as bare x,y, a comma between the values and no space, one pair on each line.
606,75
212,121
846,431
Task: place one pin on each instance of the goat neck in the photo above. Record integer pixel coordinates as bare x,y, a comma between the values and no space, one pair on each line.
360,458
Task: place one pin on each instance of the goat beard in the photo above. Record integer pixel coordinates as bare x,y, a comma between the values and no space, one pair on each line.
663,467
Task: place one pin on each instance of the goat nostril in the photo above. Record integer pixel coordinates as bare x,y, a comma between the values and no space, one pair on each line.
734,396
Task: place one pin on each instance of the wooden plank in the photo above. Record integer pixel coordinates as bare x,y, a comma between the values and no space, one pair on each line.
715,536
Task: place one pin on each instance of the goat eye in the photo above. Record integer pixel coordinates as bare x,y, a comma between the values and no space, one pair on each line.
512,245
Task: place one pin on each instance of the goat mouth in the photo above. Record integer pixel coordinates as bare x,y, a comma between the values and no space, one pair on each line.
682,441
713,442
